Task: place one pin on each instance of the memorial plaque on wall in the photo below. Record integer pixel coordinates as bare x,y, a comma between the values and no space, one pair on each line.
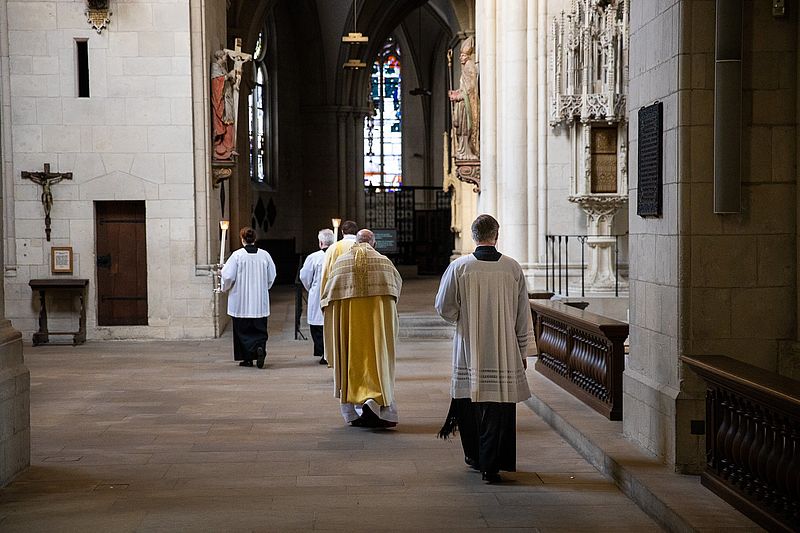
651,149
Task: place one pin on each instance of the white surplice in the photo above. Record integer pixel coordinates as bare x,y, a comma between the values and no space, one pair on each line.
311,276
488,303
249,278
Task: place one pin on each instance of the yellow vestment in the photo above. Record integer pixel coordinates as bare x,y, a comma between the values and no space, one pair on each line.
360,309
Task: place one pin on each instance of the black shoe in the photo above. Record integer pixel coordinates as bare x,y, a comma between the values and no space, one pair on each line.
472,463
491,477
368,419
260,355
323,361
246,363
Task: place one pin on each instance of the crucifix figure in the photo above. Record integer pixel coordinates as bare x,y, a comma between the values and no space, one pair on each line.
239,59
225,100
46,180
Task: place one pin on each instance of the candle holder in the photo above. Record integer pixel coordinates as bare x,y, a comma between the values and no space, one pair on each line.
216,274
336,223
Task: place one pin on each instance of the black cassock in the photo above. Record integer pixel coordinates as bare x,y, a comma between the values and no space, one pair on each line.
248,334
488,433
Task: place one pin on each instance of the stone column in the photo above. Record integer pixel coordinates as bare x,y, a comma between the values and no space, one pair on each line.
358,167
15,396
350,148
341,120
513,167
15,405
486,39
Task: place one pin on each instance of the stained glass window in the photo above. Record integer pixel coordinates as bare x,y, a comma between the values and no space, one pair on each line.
260,115
383,137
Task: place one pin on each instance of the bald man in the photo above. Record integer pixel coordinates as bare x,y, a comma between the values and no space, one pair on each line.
360,308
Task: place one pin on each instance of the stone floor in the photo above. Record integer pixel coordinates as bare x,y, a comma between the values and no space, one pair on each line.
150,436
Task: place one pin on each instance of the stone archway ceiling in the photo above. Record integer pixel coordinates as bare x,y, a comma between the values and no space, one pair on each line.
376,19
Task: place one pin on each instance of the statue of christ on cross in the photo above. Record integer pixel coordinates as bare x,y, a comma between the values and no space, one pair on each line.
46,180
225,99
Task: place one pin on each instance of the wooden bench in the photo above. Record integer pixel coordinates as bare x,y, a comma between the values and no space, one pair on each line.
582,352
752,440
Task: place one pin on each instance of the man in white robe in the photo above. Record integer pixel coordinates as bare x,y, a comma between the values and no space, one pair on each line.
485,295
248,274
311,276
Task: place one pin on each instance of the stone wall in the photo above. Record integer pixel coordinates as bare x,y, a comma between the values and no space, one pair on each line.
132,139
703,283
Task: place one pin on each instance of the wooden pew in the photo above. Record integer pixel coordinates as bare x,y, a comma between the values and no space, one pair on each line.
582,352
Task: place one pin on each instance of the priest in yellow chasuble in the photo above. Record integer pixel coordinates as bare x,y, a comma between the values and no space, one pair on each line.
359,303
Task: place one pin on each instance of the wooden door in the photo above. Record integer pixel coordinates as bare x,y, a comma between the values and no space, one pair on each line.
121,264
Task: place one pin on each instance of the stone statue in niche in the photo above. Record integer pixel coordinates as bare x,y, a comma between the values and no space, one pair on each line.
225,100
466,106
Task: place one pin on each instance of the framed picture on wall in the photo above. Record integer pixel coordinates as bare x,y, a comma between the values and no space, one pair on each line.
61,260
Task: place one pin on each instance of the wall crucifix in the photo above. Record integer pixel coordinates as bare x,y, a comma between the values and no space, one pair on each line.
46,180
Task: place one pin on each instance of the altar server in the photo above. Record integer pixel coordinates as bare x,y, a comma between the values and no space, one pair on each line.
485,295
248,274
311,276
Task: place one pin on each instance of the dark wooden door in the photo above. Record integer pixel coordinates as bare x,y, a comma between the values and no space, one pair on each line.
121,264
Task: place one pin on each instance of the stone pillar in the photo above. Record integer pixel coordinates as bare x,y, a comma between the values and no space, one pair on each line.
358,178
341,121
486,39
513,116
350,148
15,405
15,395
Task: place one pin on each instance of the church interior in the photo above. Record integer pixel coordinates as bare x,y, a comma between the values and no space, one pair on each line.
641,158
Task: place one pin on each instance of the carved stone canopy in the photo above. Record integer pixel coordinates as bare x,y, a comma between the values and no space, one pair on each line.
98,14
589,62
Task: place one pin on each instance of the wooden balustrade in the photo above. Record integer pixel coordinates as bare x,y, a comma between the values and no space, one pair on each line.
582,352
752,440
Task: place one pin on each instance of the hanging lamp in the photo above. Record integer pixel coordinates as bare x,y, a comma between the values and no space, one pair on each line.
353,38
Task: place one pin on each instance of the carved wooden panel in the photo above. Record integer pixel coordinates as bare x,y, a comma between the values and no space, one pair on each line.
604,159
581,352
752,440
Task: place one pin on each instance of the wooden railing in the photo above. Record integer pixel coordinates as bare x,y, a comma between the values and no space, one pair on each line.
752,440
582,352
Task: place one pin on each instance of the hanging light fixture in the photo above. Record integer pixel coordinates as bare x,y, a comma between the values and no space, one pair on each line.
353,38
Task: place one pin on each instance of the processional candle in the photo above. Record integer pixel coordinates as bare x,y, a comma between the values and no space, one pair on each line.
223,225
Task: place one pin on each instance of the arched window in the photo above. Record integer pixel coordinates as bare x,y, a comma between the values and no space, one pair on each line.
261,168
383,137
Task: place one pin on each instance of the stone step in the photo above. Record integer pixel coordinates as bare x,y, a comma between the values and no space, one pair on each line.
424,327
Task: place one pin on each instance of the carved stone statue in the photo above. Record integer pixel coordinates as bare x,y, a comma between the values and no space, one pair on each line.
466,106
225,99
222,103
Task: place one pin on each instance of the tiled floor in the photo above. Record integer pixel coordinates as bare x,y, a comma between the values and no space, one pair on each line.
175,436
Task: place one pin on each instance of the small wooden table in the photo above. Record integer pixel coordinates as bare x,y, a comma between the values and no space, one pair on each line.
67,284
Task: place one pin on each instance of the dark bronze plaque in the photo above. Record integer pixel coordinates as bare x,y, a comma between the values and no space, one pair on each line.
651,149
